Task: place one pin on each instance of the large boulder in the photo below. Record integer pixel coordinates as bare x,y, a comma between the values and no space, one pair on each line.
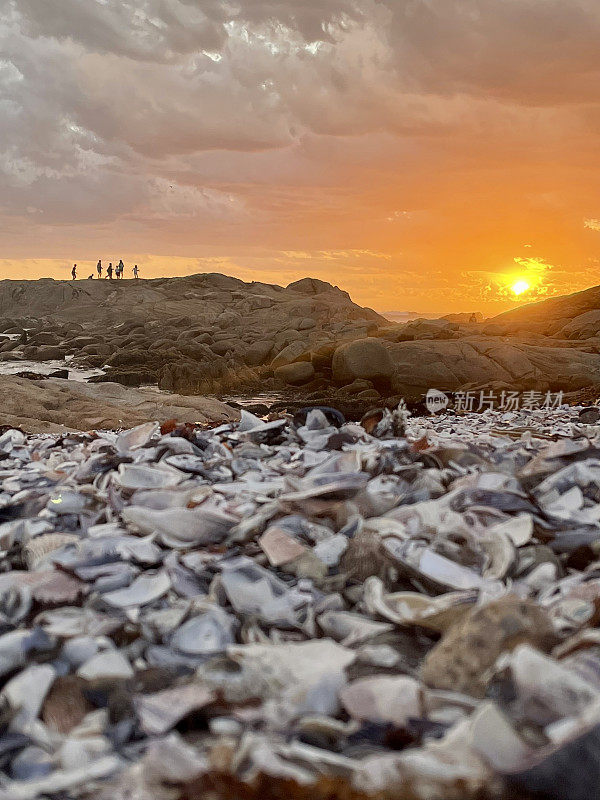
182,377
79,342
430,329
99,349
195,350
287,337
193,377
126,376
131,358
295,374
584,326
321,356
481,361
225,346
44,338
48,353
228,319
258,352
293,352
364,358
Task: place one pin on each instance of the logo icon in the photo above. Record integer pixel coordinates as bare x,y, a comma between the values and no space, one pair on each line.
436,401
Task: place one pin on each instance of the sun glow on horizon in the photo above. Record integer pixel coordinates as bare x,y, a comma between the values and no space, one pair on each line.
520,287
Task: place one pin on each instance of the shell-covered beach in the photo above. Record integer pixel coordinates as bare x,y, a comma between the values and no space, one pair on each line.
405,607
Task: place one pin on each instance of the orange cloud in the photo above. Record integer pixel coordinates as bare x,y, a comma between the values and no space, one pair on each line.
403,149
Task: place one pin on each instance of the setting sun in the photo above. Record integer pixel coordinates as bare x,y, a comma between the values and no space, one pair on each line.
519,287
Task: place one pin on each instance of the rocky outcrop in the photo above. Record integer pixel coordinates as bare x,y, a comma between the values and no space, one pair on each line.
551,317
365,358
191,334
212,334
410,368
478,361
55,405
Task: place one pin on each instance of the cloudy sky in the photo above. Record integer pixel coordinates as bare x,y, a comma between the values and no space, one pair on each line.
423,154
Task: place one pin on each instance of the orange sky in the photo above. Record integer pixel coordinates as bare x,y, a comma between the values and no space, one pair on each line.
423,156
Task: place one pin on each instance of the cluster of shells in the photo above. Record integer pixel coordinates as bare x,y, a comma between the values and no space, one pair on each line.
403,608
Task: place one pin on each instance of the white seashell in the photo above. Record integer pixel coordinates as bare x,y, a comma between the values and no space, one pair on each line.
25,693
299,666
495,739
210,632
109,665
145,589
138,476
182,527
501,554
546,690
68,621
348,628
383,699
136,437
519,529
412,608
331,550
61,780
248,421
160,712
67,502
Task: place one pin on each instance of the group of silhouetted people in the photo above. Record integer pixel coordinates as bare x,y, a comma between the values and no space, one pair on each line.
117,271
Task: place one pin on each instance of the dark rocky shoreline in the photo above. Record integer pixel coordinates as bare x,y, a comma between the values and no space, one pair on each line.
308,343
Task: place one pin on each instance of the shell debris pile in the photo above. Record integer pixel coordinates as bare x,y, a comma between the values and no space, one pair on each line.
403,607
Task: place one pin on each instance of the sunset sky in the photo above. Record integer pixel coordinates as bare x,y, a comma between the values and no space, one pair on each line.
425,155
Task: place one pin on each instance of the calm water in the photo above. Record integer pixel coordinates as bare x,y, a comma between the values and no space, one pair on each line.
46,367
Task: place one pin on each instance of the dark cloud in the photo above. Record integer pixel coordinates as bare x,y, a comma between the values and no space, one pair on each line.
214,109
154,30
529,51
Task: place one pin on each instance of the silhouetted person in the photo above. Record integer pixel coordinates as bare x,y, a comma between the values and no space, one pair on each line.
109,271
99,268
91,277
135,271
121,267
74,272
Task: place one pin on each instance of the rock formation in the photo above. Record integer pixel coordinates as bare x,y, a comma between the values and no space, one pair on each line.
572,316
212,334
195,334
55,405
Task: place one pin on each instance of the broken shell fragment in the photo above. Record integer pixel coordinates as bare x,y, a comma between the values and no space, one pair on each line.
145,589
160,712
